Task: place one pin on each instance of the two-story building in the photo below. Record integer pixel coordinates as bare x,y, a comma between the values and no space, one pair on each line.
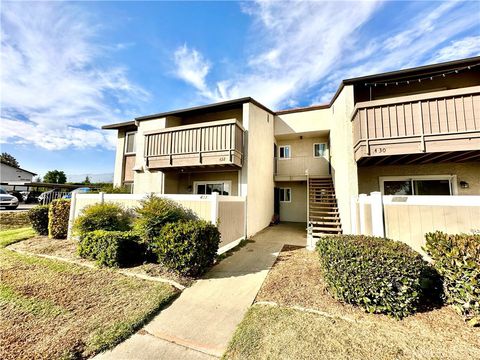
407,132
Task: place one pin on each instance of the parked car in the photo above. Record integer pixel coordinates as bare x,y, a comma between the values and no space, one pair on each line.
30,197
77,191
7,201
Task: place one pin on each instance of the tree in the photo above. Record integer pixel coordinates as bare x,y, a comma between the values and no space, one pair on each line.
87,180
6,158
55,177
38,179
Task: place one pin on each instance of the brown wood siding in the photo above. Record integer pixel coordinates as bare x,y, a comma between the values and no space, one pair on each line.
206,144
416,120
129,164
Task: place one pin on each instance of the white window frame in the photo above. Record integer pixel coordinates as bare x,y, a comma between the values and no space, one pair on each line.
134,142
324,150
284,190
452,179
206,182
289,152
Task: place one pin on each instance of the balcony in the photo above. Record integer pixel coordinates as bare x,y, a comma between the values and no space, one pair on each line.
440,125
216,143
296,168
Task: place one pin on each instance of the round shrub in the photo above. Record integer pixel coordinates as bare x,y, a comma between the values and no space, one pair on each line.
38,217
106,216
152,214
58,215
188,247
111,248
381,275
457,259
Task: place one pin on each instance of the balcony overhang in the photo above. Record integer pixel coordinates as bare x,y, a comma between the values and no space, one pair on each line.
422,159
203,145
441,122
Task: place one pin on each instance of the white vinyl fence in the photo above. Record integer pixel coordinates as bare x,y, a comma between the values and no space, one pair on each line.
48,197
409,218
227,212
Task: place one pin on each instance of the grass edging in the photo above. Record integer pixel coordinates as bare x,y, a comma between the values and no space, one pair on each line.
92,266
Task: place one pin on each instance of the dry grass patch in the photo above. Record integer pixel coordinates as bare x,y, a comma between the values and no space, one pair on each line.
284,333
67,249
51,309
13,219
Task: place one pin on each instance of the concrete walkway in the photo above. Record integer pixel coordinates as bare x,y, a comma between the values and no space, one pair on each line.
200,323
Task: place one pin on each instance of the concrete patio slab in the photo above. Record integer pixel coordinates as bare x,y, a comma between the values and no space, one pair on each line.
204,317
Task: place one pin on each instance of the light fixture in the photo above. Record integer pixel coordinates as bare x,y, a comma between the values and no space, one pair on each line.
464,185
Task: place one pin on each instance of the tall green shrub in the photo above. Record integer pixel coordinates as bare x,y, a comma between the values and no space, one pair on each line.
58,215
38,217
188,247
103,216
111,248
153,213
381,275
457,259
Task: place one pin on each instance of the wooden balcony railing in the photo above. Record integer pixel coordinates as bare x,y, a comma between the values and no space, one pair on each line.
297,167
439,121
202,144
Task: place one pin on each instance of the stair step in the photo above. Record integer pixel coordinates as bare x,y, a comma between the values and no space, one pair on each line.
319,206
315,217
317,229
327,224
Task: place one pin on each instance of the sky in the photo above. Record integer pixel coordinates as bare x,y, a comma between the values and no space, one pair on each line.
67,68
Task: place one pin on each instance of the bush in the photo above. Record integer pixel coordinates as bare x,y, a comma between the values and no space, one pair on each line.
38,217
381,275
188,247
153,213
110,189
106,216
457,259
111,248
58,215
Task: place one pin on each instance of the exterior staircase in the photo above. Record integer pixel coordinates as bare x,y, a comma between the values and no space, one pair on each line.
323,215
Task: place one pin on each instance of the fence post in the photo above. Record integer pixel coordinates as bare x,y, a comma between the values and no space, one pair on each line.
362,199
71,218
377,214
102,197
214,208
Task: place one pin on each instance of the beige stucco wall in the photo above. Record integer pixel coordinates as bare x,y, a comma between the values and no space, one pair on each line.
302,157
296,209
257,175
179,183
368,176
344,167
302,122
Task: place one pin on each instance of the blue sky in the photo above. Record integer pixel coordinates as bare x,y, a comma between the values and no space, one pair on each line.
69,68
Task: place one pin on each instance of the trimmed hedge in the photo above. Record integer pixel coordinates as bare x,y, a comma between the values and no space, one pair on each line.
106,216
457,259
188,247
381,275
111,248
58,215
38,217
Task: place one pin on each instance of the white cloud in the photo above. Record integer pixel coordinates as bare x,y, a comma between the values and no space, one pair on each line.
296,47
191,66
469,46
53,93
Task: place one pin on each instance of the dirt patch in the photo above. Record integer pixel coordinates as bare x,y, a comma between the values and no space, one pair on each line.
52,309
296,280
67,249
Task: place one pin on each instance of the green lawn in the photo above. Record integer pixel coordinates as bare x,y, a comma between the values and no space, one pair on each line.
8,237
52,309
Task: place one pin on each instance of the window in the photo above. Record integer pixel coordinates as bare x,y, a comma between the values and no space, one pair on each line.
417,185
209,187
284,152
130,143
285,194
319,149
